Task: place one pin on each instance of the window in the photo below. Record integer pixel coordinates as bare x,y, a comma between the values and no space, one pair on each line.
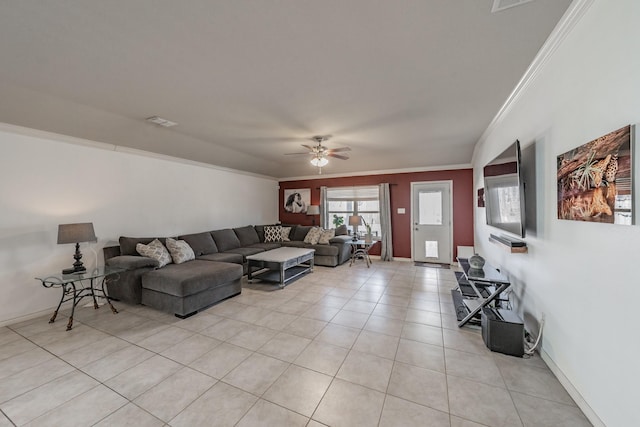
362,201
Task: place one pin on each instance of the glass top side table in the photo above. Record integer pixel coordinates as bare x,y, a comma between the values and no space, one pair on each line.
75,287
360,249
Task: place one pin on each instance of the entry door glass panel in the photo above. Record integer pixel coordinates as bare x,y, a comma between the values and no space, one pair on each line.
432,222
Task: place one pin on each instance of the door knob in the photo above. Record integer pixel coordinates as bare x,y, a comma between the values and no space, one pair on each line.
416,228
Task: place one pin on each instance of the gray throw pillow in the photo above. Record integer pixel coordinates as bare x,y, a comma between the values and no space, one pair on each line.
272,233
180,251
156,250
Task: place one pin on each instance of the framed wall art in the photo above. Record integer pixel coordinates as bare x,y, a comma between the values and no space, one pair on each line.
297,200
595,180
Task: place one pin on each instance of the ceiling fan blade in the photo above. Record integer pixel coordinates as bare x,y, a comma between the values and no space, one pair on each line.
338,156
297,154
308,147
337,150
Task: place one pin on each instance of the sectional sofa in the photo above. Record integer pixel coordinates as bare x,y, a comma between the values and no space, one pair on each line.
215,273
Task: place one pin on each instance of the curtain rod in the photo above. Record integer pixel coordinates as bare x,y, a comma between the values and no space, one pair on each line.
390,185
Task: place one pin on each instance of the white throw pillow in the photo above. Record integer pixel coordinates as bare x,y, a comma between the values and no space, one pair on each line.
326,235
285,234
156,250
180,251
272,233
313,236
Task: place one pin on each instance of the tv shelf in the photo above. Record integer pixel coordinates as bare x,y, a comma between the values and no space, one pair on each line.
510,245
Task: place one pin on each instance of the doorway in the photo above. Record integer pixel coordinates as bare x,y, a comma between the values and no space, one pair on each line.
431,219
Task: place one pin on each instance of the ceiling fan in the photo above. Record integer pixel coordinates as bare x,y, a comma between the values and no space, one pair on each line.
319,153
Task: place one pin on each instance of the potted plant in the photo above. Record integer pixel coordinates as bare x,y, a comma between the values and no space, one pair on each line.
367,237
337,220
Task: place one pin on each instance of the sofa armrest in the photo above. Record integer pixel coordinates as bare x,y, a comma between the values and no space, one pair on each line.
340,239
131,262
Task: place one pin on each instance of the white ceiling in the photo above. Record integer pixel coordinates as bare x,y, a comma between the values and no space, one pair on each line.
405,84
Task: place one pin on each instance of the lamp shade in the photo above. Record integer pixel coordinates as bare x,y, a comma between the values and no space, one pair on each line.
355,220
76,233
313,210
319,161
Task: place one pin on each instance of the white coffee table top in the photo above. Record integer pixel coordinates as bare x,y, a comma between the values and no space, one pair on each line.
280,254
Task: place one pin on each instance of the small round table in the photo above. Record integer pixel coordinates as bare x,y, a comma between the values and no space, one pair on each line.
360,249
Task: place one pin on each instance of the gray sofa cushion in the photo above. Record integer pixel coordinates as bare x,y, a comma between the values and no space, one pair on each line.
294,244
245,252
191,277
225,239
131,262
300,232
223,257
342,231
247,235
266,246
128,244
201,243
327,250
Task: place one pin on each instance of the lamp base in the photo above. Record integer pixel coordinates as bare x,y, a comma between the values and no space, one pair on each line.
78,267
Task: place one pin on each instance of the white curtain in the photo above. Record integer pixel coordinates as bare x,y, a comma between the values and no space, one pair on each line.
324,212
386,252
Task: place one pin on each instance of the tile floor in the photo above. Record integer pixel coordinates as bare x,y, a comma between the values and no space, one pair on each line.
345,346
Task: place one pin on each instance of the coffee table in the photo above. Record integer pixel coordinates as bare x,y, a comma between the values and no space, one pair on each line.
282,264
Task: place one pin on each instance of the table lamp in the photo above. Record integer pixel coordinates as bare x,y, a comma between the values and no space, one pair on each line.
355,221
313,210
76,233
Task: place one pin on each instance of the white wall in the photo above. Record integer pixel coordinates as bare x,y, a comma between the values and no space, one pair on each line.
582,276
45,182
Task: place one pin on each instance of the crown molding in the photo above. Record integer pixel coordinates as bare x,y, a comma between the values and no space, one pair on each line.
377,172
571,17
36,133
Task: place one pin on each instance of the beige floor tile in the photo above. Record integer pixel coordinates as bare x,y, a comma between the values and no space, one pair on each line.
359,306
314,423
400,412
164,339
370,294
423,333
198,322
285,347
266,413
366,370
80,338
95,351
7,335
294,307
482,403
226,308
350,319
276,321
256,373
130,416
333,301
397,300
390,311
38,401
474,367
168,398
221,405
321,312
347,404
299,389
420,304
420,354
424,317
225,329
20,362
190,349
142,331
342,293
135,381
309,297
377,344
461,422
221,360
384,325
250,314
463,340
419,385
33,377
85,410
4,421
543,413
252,337
307,328
322,357
342,336
16,347
117,362
535,382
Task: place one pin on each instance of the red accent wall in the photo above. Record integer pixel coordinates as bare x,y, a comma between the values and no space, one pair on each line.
400,189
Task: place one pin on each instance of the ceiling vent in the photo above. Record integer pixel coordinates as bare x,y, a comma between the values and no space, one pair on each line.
500,5
161,122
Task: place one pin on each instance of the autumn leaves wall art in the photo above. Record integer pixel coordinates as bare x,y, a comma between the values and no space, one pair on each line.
595,180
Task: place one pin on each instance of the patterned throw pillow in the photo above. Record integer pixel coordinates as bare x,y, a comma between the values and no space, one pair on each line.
313,236
326,235
285,234
180,250
272,233
156,250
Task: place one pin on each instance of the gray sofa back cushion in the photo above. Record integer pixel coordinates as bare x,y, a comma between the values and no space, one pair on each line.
247,235
128,244
300,232
342,230
225,239
201,243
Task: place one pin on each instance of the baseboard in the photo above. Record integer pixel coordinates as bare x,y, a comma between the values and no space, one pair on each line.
26,317
575,394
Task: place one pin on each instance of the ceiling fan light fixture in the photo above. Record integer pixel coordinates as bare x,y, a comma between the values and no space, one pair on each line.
319,161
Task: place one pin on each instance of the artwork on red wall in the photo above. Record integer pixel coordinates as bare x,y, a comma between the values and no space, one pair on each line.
595,180
297,200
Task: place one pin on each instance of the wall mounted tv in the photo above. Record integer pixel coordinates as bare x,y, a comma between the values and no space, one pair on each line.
504,191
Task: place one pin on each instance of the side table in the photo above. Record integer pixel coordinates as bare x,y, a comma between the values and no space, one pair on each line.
360,249
75,287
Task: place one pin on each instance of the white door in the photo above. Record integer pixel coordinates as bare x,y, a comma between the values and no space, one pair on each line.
432,221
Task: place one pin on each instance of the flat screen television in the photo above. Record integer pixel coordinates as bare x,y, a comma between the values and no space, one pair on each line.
504,191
